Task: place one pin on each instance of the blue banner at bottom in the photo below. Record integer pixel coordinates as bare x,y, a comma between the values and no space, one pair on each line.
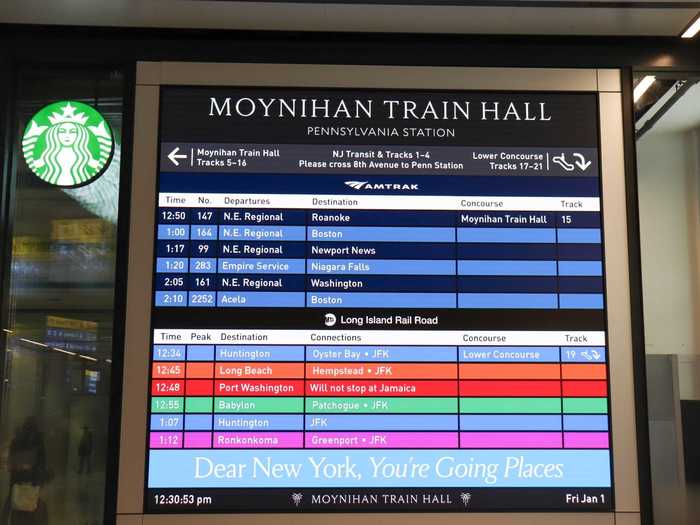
378,468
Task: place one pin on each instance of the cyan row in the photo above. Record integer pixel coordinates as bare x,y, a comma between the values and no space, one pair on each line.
378,234
314,353
377,266
379,300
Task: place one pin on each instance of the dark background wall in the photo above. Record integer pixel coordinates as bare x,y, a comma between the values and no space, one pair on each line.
119,49
118,45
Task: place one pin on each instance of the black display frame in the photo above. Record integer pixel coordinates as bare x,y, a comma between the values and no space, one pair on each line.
292,321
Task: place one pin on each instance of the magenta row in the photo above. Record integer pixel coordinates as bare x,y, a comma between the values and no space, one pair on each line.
337,440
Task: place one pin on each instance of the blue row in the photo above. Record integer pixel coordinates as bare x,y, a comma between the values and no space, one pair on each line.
507,219
260,299
171,299
507,284
507,267
579,219
201,248
579,235
369,354
505,422
379,283
173,231
200,352
172,248
379,267
584,423
378,250
381,300
262,233
259,353
592,268
370,218
172,265
338,250
255,217
261,266
504,354
166,422
582,252
204,216
382,422
169,352
379,234
484,354
201,299
514,235
378,300
280,283
261,422
198,421
507,251
484,251
534,252
583,284
263,249
195,468
385,218
203,265
203,232
508,300
174,215
583,354
529,284
210,282
585,301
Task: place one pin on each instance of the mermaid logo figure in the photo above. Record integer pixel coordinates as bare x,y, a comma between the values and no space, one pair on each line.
68,144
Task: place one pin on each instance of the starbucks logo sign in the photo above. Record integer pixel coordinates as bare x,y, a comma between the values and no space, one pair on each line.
68,144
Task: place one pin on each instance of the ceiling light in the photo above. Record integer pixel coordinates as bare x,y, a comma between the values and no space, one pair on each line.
643,85
692,28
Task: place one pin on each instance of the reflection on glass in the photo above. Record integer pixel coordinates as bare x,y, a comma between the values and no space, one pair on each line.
668,163
56,341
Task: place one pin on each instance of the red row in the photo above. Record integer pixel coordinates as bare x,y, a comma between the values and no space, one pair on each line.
533,388
296,387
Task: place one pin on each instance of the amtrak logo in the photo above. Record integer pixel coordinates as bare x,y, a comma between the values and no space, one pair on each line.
366,185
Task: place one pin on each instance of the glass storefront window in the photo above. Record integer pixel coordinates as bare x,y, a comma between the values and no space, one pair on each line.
58,305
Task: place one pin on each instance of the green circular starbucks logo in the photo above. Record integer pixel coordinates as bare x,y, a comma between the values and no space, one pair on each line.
68,144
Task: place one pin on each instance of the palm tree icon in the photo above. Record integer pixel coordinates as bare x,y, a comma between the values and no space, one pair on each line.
466,497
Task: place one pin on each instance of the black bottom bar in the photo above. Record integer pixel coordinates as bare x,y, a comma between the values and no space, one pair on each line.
183,501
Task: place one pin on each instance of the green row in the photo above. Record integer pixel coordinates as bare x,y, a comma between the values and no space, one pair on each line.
387,405
397,405
533,405
230,405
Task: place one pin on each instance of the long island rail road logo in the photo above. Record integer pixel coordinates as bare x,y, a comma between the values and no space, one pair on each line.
68,144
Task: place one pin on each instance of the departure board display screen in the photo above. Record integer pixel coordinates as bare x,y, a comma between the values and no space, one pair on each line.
378,300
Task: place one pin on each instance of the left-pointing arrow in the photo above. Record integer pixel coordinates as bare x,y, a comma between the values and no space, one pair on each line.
173,156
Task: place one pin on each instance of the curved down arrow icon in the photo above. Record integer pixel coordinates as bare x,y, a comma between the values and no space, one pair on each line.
581,161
